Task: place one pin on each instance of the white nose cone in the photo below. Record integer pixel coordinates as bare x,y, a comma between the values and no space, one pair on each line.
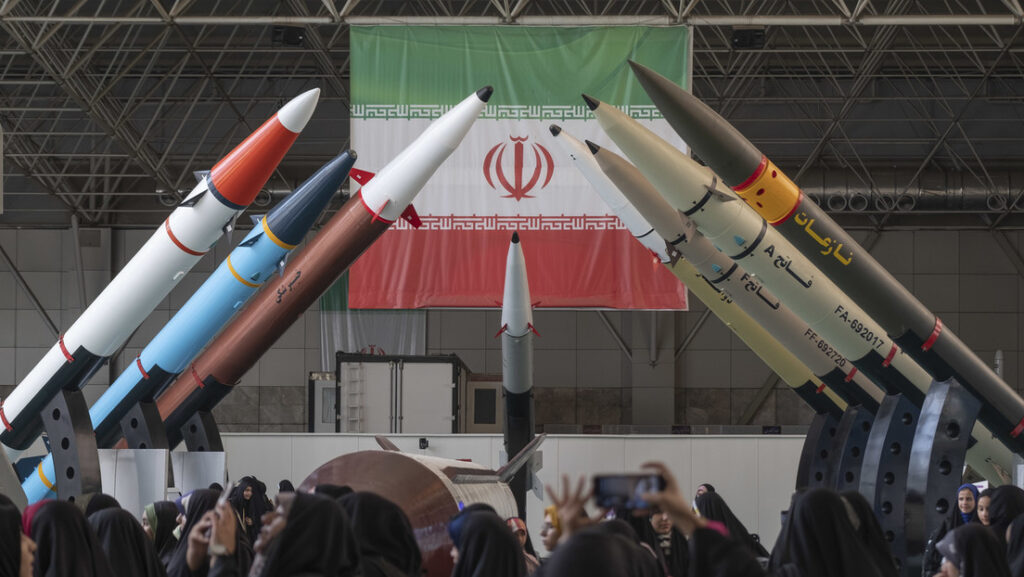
398,183
516,309
299,110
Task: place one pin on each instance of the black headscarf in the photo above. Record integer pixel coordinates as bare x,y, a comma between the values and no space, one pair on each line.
598,552
1006,503
10,540
715,555
818,540
332,491
196,504
384,535
128,549
316,541
713,507
254,508
870,532
66,544
99,502
488,548
163,516
285,486
678,563
1015,547
975,551
645,558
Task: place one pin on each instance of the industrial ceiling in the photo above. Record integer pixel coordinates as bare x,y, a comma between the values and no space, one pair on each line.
915,108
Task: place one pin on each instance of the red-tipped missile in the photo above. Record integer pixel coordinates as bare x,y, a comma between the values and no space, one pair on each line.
360,222
186,235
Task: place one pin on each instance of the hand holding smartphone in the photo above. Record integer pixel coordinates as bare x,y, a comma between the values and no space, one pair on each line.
626,491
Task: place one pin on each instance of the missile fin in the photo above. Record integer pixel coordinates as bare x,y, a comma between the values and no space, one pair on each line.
507,471
501,330
251,241
256,218
386,444
410,216
200,174
532,329
718,194
190,202
361,176
281,264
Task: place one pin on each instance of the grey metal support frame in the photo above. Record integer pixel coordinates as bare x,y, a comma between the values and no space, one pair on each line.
76,462
848,447
936,462
814,458
143,428
201,433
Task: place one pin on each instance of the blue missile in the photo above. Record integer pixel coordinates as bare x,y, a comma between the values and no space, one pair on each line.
250,264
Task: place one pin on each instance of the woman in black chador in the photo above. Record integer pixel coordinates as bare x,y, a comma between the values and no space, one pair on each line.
713,507
128,549
818,540
67,546
386,541
249,499
159,520
485,547
601,551
17,550
972,550
197,504
870,532
965,511
668,543
1006,504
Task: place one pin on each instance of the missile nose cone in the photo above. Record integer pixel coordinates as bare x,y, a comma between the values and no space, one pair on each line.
593,147
238,177
515,237
289,221
555,129
298,111
352,153
592,103
484,94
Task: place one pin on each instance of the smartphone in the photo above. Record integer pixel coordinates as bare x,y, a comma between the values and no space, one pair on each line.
626,491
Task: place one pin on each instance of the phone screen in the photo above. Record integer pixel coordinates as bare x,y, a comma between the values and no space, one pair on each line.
626,491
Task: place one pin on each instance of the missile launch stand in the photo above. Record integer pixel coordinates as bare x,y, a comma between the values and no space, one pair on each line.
76,461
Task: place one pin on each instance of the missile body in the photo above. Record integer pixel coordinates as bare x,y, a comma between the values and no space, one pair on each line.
808,386
746,238
779,201
257,257
823,360
187,234
517,364
347,235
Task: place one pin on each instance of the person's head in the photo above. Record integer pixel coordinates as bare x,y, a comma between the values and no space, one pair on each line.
247,492
66,544
147,526
704,488
661,522
485,546
307,534
383,532
99,502
518,528
285,486
17,550
550,529
967,498
1005,504
984,500
972,550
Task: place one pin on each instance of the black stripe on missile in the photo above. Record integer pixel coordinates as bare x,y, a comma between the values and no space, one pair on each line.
679,239
726,274
216,194
700,203
644,234
753,245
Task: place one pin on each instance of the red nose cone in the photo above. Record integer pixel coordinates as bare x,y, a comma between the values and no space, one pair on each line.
240,175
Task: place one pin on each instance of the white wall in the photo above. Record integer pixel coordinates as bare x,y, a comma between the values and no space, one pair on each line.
755,474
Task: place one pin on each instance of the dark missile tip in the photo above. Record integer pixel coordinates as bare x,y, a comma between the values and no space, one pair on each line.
592,103
555,129
485,93
515,237
352,154
593,147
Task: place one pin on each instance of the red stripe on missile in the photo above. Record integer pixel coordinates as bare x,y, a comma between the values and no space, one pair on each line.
178,243
849,376
374,212
934,336
1018,429
757,174
3,417
820,388
138,363
239,176
64,349
888,359
195,376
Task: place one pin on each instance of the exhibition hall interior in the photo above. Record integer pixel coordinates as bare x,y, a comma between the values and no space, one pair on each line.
499,288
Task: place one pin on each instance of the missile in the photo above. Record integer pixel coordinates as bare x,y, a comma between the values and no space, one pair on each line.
810,388
746,238
825,363
187,234
360,221
517,364
905,320
249,266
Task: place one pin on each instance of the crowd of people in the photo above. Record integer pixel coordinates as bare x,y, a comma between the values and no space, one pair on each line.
336,532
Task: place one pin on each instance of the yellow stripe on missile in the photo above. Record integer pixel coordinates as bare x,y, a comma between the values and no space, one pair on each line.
238,277
770,192
271,236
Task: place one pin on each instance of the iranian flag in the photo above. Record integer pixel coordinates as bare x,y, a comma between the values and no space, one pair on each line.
508,174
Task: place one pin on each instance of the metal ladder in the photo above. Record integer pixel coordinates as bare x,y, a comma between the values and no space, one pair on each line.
353,382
